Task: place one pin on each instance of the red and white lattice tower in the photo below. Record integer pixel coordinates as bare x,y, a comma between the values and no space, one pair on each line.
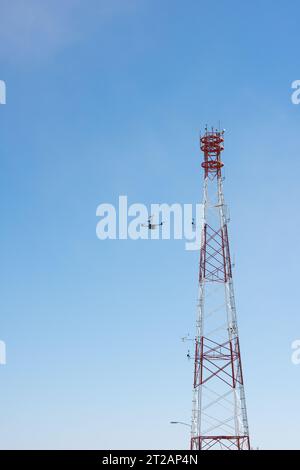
219,416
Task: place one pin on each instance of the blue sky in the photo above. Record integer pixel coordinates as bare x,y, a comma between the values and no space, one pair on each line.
107,98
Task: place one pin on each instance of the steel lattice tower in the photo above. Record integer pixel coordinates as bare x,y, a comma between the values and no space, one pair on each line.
219,416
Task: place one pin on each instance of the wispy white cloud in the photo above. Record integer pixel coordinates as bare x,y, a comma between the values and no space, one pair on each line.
39,28
34,27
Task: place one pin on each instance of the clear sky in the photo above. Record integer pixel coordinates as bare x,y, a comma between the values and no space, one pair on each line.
107,98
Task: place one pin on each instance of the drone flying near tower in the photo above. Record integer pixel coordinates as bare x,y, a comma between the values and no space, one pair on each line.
219,416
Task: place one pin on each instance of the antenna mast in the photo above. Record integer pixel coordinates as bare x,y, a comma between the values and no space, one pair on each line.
219,416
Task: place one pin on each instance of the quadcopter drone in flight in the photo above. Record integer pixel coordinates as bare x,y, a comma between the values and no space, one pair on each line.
150,225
